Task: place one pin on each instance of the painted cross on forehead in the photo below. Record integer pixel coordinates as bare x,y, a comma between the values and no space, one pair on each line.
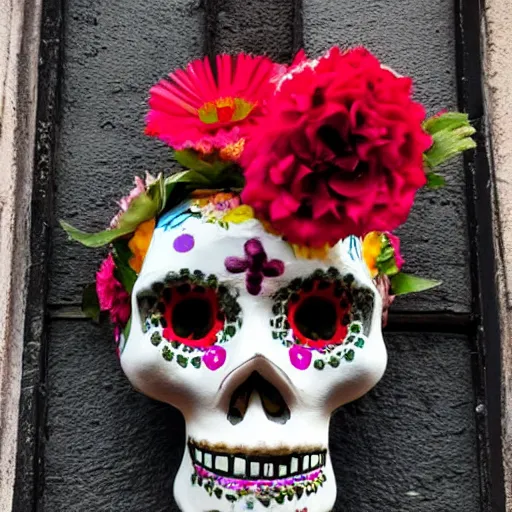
256,264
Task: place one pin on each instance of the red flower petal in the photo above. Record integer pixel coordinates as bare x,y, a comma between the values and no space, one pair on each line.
343,150
284,206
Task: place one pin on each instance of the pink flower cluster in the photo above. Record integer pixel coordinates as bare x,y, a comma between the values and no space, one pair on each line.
395,243
124,203
111,294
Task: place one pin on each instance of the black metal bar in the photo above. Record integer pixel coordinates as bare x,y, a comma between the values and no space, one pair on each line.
211,11
32,413
431,321
298,26
404,321
487,361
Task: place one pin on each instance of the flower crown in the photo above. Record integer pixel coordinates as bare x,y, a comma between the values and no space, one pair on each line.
317,151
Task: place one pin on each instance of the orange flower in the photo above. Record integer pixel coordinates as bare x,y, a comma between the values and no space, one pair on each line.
372,245
222,197
311,253
202,193
139,244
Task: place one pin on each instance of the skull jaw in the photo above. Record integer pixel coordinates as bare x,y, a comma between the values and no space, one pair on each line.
192,497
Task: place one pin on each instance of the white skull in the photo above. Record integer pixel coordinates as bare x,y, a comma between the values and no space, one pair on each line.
223,341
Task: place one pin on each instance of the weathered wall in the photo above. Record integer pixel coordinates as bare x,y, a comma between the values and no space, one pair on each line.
115,52
19,42
497,31
411,444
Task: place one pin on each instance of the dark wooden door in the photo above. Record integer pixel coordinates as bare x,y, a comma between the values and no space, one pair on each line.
426,439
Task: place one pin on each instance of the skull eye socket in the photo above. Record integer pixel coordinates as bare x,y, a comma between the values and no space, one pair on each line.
192,318
190,309
317,311
319,315
315,318
192,315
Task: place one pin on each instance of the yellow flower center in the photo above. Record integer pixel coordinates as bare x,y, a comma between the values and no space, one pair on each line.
232,152
311,253
239,214
225,110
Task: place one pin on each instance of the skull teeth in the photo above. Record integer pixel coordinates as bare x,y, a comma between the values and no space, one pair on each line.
251,467
239,466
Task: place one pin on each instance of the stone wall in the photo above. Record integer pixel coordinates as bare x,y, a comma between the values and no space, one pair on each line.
420,441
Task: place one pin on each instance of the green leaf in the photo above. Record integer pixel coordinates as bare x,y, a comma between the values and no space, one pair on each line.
435,181
177,185
127,327
212,173
191,178
90,302
92,239
451,133
123,272
144,207
444,121
192,160
386,261
150,203
403,283
386,252
388,267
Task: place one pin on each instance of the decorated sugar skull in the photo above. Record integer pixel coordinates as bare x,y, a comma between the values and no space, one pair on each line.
256,347
249,291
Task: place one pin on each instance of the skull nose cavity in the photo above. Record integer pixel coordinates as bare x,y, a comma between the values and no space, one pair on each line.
272,402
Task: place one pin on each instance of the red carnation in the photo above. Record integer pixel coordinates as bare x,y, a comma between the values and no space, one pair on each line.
338,152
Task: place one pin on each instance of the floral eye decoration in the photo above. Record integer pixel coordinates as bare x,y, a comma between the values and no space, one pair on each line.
322,313
191,317
315,151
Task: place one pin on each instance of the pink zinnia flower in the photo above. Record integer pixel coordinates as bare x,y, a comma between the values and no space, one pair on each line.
193,110
112,296
140,187
338,152
124,203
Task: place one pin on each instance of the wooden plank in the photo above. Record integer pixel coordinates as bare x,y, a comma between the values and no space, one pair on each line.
482,236
114,53
19,44
265,26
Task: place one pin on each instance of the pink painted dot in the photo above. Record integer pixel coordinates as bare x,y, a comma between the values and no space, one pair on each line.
300,357
184,243
215,358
